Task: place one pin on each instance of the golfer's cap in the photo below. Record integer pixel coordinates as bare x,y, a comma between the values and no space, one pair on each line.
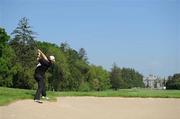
52,58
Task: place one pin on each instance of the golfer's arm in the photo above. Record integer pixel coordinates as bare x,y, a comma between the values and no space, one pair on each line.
43,56
38,55
38,58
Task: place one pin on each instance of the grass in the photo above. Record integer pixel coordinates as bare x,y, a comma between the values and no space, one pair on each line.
9,95
143,93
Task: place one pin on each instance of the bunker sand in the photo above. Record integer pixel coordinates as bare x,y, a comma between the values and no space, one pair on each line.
94,108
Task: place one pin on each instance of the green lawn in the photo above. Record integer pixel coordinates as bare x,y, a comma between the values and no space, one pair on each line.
8,95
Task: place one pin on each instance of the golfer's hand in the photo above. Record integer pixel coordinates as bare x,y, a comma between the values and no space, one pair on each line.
38,54
39,51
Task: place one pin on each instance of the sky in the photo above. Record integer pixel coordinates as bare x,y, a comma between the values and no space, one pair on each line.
139,34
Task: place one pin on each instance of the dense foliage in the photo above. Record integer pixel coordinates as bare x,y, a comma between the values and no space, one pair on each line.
72,71
125,78
173,82
7,55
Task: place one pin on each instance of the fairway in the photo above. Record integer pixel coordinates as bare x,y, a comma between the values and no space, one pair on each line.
94,108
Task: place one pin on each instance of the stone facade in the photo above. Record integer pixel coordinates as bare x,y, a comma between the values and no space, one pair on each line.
154,82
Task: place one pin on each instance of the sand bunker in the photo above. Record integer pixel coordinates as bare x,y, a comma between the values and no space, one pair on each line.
94,108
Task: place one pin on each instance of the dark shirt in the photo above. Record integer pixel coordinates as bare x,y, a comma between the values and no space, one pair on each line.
40,70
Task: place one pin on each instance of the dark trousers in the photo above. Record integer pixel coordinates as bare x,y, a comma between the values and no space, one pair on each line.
41,87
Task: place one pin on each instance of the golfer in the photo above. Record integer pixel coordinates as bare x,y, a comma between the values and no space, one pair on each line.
39,75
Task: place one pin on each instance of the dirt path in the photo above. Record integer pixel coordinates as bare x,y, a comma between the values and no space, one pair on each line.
94,108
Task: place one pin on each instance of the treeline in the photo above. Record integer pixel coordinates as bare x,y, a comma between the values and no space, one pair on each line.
125,78
173,82
71,72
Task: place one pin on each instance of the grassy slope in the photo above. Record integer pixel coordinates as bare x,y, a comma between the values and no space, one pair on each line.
8,95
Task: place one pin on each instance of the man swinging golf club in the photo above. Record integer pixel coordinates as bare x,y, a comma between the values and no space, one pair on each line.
39,75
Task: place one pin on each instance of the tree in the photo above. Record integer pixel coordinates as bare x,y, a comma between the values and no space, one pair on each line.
83,55
7,68
3,40
116,78
25,49
64,46
132,78
173,82
98,78
125,78
23,43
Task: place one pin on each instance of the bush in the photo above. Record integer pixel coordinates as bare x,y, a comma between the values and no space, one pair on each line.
85,87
